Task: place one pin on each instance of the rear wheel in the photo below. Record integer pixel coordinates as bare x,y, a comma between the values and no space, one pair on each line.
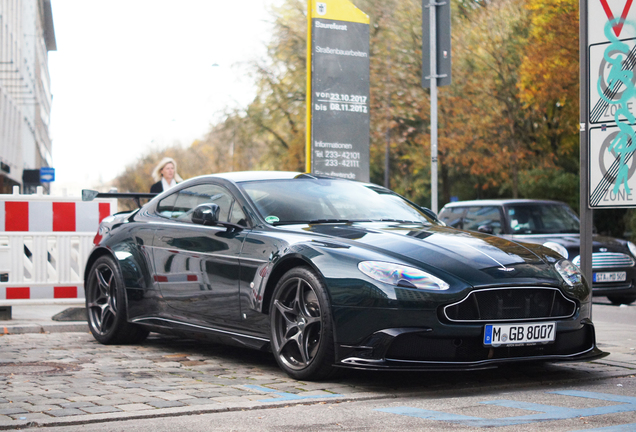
301,326
619,300
106,305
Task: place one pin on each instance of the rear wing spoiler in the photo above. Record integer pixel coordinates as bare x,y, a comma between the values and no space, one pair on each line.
90,195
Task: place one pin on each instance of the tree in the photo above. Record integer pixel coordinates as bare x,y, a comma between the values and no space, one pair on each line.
549,88
490,132
507,124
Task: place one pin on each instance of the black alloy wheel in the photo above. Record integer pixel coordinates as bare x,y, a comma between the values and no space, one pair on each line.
301,325
106,306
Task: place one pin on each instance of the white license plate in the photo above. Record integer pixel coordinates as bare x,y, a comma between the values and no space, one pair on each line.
610,277
519,334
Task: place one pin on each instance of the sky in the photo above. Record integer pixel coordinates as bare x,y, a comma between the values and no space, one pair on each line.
131,76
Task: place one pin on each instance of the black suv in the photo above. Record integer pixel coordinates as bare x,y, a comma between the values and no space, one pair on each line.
554,225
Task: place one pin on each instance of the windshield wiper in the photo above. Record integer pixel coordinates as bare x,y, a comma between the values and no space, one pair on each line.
288,223
328,221
401,221
320,221
334,221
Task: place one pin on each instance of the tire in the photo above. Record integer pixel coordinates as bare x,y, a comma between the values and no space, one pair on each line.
106,305
302,326
619,300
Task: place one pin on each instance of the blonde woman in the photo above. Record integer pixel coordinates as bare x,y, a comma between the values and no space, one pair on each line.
165,174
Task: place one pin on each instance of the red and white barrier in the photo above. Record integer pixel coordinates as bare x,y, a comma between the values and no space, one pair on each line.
44,245
51,216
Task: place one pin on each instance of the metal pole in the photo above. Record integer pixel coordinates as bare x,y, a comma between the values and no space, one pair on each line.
433,51
308,107
587,220
387,151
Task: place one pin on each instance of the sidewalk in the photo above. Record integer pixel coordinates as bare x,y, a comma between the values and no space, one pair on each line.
44,319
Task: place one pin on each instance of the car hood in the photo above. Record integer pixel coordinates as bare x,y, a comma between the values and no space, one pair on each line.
478,258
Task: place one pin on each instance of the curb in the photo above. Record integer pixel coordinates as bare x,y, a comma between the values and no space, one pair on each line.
185,411
52,327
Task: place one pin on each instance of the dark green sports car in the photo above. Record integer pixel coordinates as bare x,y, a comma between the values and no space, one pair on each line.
329,273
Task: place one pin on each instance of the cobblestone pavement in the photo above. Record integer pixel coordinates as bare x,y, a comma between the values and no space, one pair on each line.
69,378
62,377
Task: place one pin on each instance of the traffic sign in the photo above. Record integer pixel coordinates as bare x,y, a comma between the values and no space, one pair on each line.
442,42
606,95
617,12
609,164
611,103
47,174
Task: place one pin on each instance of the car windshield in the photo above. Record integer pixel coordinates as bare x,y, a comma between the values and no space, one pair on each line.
542,219
309,200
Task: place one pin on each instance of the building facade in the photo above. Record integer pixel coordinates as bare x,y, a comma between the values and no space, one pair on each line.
26,37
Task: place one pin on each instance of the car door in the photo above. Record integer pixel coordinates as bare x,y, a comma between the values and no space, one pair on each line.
197,267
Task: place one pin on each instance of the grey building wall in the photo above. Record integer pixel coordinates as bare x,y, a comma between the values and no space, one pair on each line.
26,36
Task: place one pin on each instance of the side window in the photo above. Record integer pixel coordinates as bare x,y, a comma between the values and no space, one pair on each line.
236,215
478,216
527,219
166,205
179,206
452,216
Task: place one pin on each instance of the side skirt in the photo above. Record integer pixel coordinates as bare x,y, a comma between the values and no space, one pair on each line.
189,330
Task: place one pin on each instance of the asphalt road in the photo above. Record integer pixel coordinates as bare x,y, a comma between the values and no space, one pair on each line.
376,415
169,384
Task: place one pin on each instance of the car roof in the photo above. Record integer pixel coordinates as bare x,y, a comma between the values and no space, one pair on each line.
243,176
249,176
501,202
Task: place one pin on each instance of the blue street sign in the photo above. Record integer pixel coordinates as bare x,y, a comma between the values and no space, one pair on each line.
47,174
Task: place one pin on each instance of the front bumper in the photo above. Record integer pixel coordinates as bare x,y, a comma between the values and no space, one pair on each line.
626,288
614,288
460,347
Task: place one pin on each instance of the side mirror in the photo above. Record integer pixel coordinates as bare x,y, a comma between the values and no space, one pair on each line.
206,214
486,229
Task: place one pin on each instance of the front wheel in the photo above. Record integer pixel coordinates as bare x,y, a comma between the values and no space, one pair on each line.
301,326
106,305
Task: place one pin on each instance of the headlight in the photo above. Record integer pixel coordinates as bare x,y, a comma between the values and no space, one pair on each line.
558,248
569,272
402,276
632,248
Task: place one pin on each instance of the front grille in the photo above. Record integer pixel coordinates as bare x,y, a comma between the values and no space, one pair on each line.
607,260
502,304
419,347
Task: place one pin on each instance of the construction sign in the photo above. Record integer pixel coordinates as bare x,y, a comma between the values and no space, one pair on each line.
338,85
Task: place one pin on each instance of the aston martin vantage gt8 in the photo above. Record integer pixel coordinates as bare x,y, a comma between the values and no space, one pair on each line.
328,273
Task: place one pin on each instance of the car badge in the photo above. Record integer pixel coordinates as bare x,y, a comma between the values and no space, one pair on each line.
603,249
